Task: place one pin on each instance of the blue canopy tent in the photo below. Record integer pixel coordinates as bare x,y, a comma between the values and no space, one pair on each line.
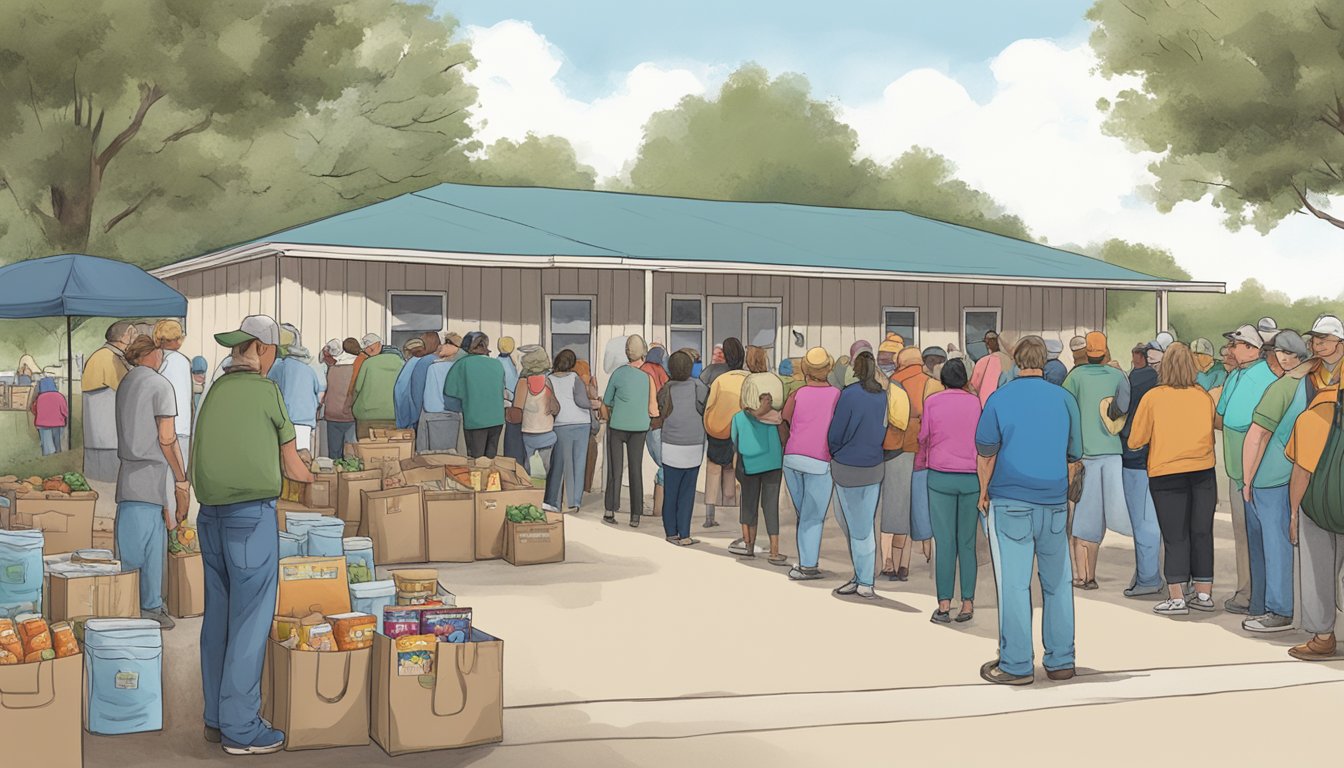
75,285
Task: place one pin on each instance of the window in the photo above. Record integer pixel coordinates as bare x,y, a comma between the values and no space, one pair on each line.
686,323
411,313
569,322
902,321
754,323
975,323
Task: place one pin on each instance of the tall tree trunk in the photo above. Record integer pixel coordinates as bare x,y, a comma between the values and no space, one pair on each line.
67,229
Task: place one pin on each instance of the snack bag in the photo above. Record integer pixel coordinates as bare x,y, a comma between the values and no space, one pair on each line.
63,640
45,654
7,658
415,655
353,630
447,625
34,633
9,638
399,622
316,637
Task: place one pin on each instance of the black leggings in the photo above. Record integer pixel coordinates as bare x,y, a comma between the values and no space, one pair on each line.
760,492
1185,504
483,442
633,443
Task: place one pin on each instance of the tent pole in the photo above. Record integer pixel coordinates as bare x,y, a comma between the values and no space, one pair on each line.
69,388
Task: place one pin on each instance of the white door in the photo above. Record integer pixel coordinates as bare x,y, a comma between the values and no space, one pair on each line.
754,323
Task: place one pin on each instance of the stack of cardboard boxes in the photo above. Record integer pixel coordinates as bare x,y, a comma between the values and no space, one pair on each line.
15,397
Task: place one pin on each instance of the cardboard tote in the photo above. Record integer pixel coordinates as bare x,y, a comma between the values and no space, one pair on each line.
41,722
535,543
450,526
460,705
396,523
516,489
349,503
320,699
309,584
103,596
186,585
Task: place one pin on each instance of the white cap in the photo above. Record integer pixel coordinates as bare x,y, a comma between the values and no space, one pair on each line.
259,327
1266,326
1328,325
334,348
370,339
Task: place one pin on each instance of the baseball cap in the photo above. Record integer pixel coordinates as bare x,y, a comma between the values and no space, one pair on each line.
1248,334
934,352
1142,346
334,348
453,338
1327,325
369,340
1288,341
1202,347
1053,347
1266,326
1077,343
259,327
1096,344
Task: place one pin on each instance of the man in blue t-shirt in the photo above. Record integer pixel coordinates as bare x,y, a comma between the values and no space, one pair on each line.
1029,438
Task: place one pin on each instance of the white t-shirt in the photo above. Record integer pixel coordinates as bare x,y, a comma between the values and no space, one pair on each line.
176,369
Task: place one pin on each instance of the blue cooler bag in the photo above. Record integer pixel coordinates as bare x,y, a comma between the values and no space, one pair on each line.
372,597
20,573
292,544
326,537
123,673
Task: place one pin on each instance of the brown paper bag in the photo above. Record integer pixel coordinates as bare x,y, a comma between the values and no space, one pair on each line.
396,523
41,713
309,584
349,485
535,543
186,585
320,699
450,526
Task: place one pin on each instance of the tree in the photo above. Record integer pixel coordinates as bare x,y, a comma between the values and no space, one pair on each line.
1244,98
767,139
148,130
543,161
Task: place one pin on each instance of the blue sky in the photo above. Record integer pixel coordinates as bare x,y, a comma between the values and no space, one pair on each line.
849,49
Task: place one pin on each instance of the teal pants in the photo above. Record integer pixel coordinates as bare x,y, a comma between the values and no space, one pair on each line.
952,509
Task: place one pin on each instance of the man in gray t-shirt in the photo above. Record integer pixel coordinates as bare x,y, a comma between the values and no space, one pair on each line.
148,450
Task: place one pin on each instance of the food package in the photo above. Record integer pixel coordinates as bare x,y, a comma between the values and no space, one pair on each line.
449,625
63,640
286,630
353,631
399,621
183,539
316,637
46,654
415,655
309,584
7,658
416,579
9,638
34,633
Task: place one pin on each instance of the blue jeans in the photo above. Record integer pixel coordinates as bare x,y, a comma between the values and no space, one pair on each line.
811,496
540,444
1147,534
142,545
338,434
654,441
921,522
240,548
569,459
679,501
859,507
51,438
1018,532
1267,517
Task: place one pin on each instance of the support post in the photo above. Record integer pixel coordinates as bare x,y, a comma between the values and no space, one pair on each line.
648,307
1162,321
69,389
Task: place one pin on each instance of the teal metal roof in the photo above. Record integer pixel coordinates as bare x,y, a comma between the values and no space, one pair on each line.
532,221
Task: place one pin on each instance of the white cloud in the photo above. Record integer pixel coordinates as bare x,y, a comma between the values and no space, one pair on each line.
1037,146
519,91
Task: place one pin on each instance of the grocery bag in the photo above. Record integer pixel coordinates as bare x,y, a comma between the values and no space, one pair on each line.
320,699
123,674
20,572
40,707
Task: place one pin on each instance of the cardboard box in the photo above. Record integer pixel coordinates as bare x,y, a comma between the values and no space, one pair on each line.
395,520
104,540
186,585
66,522
319,699
349,485
535,543
418,475
392,435
321,493
20,398
460,705
450,526
372,451
516,489
41,713
102,596
309,584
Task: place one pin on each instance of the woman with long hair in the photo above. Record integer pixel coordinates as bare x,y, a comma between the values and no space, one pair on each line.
855,442
569,457
807,458
681,406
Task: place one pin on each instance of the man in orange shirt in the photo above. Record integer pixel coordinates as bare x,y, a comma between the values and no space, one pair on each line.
1320,548
912,377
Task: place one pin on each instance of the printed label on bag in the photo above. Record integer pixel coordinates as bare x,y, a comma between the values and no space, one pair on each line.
307,571
128,680
537,536
15,573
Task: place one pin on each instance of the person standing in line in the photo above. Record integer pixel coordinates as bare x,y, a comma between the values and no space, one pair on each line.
855,442
934,357
336,403
1055,370
513,446
1236,406
244,442
537,405
373,403
302,390
718,363
103,372
725,400
655,366
477,381
1175,421
1211,372
630,400
403,398
807,458
760,463
1078,348
759,386
898,466
583,370
176,368
199,368
572,428
51,415
992,370
1103,501
947,438
419,375
440,426
791,376
151,467
1029,440
1147,579
915,380
681,406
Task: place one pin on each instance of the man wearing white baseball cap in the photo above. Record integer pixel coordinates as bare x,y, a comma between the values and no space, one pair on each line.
1241,394
244,442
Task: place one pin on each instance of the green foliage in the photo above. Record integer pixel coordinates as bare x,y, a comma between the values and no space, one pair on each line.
543,161
768,140
1241,96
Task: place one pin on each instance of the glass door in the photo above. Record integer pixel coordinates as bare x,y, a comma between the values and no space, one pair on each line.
754,323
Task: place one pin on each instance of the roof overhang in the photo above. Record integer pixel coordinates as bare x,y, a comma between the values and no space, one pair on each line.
254,251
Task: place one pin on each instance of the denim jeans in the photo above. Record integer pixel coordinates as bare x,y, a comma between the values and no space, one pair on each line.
569,458
921,526
858,510
1018,532
142,545
654,441
1147,534
51,438
338,434
811,496
540,444
240,550
679,501
1102,504
1270,550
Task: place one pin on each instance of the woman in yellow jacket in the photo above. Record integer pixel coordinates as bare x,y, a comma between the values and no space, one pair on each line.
725,400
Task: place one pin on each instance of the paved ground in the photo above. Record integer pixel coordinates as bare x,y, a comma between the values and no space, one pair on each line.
638,653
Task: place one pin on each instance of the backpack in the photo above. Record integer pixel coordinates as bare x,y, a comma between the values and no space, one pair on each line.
1324,500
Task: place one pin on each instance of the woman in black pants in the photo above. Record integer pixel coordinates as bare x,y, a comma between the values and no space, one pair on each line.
1176,421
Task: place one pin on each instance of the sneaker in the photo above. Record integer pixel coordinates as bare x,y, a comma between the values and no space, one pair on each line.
1231,606
1314,649
739,547
902,574
1270,622
267,742
941,617
165,621
800,573
1090,585
1141,591
866,592
212,735
1060,674
991,672
1202,603
848,588
1171,607
548,508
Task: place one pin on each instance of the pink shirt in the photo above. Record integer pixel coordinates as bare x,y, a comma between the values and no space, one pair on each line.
985,377
947,433
813,408
50,410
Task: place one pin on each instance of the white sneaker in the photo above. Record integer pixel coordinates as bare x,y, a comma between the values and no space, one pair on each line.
548,508
1171,607
849,588
739,547
866,592
1201,602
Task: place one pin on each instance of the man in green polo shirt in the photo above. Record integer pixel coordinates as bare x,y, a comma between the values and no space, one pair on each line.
374,406
477,380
